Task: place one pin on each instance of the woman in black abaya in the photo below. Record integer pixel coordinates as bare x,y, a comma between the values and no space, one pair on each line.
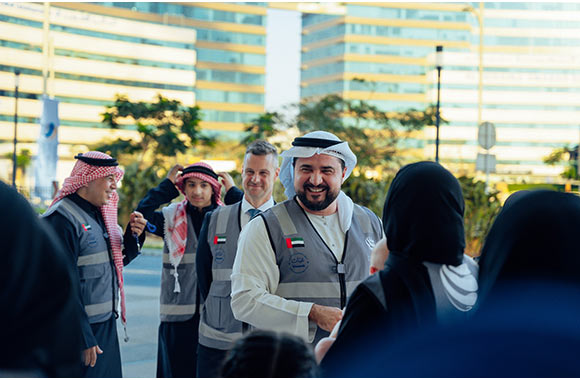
427,278
526,324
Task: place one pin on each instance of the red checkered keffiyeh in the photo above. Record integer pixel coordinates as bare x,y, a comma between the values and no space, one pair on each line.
80,176
176,215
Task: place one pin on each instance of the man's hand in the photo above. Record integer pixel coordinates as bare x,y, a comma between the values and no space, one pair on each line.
326,317
172,175
137,223
90,355
227,180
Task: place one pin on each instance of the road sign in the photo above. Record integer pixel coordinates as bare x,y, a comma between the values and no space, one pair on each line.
486,135
485,163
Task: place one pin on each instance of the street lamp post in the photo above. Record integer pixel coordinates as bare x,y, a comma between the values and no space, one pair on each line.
16,83
438,65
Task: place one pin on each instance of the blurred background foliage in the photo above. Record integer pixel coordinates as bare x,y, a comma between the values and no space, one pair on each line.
170,134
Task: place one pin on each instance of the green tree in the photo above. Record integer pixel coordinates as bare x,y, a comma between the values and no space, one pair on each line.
567,155
481,208
166,128
23,161
368,192
373,134
263,127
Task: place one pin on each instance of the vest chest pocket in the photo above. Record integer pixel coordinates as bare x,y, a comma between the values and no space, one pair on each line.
220,289
95,284
218,309
91,271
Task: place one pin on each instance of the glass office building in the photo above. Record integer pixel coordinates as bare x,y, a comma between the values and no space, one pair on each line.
231,55
530,82
208,54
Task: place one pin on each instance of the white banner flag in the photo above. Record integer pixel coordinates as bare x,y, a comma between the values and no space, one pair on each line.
47,157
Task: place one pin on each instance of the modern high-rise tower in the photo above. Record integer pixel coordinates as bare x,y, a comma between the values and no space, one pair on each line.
384,53
206,54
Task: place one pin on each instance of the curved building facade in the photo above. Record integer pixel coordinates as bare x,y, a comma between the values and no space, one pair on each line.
206,54
384,53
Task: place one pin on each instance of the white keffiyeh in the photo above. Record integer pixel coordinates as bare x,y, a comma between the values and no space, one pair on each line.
340,150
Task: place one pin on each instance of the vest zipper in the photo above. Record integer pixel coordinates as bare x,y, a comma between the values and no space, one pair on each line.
114,277
341,276
113,269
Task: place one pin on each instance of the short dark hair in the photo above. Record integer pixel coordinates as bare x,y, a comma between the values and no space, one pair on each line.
262,148
270,354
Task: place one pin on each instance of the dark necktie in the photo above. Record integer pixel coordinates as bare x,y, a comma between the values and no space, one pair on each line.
253,212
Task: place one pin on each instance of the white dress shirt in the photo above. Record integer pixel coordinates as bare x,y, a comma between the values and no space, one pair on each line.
245,217
327,227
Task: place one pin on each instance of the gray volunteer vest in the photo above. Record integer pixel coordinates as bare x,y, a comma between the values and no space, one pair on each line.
218,328
309,271
98,280
178,307
454,289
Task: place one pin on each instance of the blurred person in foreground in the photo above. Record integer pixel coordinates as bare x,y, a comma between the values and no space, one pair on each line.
269,354
526,322
179,224
426,280
84,217
297,262
41,332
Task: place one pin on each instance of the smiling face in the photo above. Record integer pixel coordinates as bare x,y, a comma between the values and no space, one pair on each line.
317,181
198,192
99,191
258,175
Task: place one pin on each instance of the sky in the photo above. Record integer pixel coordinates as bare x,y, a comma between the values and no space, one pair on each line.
283,30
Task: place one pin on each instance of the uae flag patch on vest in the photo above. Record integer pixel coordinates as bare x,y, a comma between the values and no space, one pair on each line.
219,239
294,242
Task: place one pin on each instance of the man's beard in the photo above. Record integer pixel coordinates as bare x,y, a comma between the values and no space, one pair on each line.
318,205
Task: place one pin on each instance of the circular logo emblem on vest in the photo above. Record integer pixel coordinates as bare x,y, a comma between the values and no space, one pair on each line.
298,263
219,257
370,242
91,239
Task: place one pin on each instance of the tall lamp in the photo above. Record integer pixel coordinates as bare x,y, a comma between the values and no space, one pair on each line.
439,66
16,83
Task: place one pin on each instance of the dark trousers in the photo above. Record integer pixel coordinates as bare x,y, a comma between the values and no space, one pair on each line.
209,361
177,348
109,362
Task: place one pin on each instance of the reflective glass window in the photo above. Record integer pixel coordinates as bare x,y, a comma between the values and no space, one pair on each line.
225,116
229,96
230,77
220,56
230,37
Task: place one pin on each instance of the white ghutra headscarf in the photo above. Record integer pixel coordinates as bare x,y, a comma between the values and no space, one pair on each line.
319,142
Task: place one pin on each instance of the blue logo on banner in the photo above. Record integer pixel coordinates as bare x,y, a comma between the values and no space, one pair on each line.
298,263
50,130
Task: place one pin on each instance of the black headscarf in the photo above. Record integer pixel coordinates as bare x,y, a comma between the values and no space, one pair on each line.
423,215
527,321
533,240
423,221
